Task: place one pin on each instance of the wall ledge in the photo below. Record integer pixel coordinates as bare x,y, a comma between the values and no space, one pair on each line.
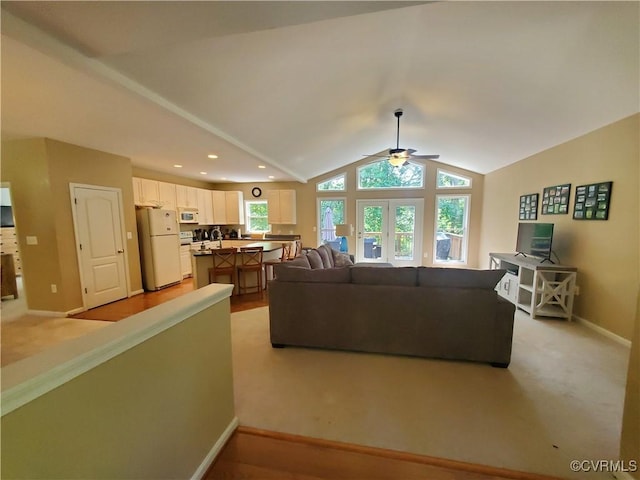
28,379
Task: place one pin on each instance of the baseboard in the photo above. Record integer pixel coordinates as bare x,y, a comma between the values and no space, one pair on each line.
136,292
75,310
603,331
47,313
623,476
215,450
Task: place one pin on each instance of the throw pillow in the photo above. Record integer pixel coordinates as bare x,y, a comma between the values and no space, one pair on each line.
314,259
299,261
341,259
326,255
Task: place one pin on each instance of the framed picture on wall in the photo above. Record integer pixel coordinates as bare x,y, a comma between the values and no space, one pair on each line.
555,200
592,201
528,209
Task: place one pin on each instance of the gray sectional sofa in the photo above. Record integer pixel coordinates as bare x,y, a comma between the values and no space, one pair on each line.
419,311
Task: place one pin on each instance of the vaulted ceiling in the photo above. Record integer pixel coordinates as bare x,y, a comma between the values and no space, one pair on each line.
303,88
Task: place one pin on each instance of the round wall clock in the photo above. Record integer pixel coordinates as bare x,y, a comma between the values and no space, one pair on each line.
256,192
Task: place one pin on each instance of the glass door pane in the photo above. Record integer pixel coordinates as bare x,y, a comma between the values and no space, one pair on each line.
406,231
372,231
452,216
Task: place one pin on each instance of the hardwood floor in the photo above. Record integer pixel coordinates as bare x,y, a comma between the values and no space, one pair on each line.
252,454
116,311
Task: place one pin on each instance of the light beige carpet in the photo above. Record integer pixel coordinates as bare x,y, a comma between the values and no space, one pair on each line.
561,398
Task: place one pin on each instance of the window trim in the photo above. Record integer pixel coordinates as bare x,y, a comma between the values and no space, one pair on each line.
343,175
319,201
465,240
248,217
359,187
456,175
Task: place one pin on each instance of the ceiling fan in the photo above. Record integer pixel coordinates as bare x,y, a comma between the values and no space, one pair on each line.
401,156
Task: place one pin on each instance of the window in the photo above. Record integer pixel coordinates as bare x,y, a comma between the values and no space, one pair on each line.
452,218
446,179
331,212
335,184
381,175
256,216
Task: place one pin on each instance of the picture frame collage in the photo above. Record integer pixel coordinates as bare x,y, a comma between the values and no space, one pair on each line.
591,202
529,207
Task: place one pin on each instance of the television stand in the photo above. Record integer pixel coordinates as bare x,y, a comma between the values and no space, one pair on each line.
541,290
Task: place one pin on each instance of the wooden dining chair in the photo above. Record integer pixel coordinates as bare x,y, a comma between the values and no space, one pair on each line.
297,250
285,256
250,262
223,265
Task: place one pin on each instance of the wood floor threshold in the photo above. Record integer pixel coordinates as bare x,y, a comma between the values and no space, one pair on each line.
397,455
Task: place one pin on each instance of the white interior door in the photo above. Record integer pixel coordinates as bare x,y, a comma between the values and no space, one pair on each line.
390,231
99,233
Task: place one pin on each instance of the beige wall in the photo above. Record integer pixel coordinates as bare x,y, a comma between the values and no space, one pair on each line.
40,171
307,214
154,411
605,252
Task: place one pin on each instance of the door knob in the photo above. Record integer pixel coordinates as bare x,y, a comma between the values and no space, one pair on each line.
120,251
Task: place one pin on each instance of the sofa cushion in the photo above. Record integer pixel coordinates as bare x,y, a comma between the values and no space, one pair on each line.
399,276
287,273
315,261
326,256
458,277
299,261
340,259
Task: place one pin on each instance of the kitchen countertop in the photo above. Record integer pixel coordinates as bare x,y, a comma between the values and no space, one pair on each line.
267,247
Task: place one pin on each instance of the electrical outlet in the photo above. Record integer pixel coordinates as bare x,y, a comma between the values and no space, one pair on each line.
54,288
576,290
32,240
425,255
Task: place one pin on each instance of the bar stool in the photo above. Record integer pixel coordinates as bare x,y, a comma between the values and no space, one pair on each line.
250,262
297,250
224,265
284,257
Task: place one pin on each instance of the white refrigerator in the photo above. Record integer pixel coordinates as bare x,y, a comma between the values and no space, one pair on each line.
158,234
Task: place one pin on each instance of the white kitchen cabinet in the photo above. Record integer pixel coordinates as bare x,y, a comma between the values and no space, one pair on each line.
145,192
167,195
205,207
185,260
186,197
219,202
282,206
234,208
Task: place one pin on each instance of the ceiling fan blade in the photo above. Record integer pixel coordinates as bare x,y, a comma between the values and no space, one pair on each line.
426,157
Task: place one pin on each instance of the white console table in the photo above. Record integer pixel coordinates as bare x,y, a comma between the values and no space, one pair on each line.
542,289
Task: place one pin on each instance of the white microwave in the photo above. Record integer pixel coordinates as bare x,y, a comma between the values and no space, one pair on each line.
187,215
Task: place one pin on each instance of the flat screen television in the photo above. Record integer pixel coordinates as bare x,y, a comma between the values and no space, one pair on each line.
534,239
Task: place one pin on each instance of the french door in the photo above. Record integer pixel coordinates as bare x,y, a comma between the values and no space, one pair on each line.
390,231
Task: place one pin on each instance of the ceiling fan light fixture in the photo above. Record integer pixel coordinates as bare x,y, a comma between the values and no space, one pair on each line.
397,160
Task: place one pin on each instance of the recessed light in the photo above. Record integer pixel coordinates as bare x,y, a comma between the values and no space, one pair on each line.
271,176
212,156
261,166
223,178
177,166
203,173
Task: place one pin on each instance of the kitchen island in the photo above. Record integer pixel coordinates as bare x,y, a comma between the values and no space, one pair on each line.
201,262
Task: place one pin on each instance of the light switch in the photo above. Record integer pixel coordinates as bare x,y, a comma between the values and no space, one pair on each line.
129,235
32,240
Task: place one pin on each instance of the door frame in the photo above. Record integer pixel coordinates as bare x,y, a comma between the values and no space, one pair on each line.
389,245
74,214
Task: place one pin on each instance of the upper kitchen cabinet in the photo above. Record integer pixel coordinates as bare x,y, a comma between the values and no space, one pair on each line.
167,192
282,206
145,192
205,206
219,201
234,208
186,197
